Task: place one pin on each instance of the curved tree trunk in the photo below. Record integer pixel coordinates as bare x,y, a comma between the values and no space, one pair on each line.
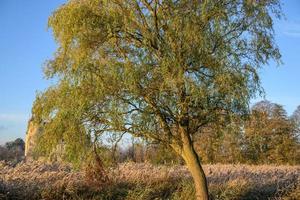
193,163
194,166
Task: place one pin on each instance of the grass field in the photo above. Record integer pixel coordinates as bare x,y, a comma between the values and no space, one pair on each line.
130,181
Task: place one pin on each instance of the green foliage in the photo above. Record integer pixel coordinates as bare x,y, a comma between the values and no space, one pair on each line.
61,127
161,70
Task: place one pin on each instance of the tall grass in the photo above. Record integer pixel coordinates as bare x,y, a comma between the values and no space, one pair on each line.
132,181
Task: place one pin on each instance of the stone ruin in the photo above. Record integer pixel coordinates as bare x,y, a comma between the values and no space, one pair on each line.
33,131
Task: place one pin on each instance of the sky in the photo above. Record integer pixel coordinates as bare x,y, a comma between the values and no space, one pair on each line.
26,44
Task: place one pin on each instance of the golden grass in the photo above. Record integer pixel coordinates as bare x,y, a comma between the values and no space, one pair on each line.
36,180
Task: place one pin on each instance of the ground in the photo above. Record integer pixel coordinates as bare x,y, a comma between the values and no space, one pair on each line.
37,180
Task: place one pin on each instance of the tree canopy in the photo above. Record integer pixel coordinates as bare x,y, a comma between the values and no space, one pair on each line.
160,69
146,67
270,136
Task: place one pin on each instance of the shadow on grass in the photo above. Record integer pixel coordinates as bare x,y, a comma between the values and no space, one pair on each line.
164,190
253,192
270,191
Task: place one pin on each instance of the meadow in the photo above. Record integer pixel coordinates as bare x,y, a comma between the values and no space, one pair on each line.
130,181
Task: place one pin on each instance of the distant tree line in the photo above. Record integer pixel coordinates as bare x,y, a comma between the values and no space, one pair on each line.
13,151
267,136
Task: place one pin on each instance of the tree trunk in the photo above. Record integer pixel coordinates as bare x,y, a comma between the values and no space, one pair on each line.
194,166
193,163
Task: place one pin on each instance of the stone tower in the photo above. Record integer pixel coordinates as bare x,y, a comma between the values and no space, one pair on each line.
33,130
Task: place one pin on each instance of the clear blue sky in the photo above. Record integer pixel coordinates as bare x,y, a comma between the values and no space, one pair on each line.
25,45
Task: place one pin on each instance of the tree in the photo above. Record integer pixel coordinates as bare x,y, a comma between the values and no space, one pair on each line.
161,70
159,154
221,144
13,151
270,136
284,141
18,144
296,119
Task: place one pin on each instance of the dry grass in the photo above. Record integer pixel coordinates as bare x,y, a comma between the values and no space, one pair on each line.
36,180
27,180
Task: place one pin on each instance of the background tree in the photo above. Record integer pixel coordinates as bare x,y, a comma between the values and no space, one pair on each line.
296,119
221,144
270,136
208,144
162,70
13,151
160,154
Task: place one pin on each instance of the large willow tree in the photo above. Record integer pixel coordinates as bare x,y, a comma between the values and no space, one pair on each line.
158,69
